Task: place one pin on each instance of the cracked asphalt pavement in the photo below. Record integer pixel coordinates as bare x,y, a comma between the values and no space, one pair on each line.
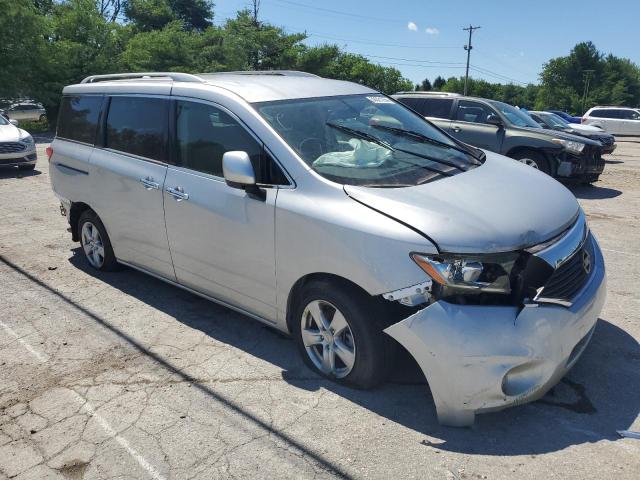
121,376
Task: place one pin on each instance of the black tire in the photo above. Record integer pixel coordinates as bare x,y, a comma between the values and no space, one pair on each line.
109,263
374,350
537,157
43,118
27,167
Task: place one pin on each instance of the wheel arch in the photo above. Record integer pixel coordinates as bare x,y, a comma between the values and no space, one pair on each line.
297,287
77,208
538,151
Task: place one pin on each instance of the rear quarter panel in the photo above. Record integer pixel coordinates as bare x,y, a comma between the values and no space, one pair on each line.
69,169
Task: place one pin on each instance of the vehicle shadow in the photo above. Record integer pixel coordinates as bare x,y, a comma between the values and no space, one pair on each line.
15,172
593,192
599,396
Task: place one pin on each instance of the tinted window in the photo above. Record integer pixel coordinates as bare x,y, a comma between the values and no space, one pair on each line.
472,112
602,114
138,125
79,118
415,103
205,133
437,107
628,114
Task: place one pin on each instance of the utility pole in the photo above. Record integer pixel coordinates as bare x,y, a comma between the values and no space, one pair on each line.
468,48
586,74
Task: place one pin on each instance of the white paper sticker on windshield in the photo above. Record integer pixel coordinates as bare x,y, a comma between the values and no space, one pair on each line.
379,99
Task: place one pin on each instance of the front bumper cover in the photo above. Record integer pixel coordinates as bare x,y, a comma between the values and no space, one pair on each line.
484,358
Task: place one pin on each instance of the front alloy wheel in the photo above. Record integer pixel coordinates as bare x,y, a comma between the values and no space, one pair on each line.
328,339
530,162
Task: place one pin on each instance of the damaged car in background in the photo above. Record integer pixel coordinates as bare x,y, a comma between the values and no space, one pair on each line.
336,214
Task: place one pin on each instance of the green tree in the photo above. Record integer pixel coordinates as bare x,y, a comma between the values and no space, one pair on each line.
22,49
424,86
613,80
438,83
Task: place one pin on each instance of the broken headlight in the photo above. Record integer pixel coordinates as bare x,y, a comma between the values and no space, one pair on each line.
490,273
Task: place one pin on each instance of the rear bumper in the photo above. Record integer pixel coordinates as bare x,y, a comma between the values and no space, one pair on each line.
484,358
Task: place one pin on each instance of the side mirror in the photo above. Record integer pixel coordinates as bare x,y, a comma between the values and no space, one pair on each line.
238,173
14,122
494,120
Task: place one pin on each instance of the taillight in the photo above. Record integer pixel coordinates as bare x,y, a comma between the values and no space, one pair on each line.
49,152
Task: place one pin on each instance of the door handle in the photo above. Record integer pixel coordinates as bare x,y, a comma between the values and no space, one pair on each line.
149,184
456,129
178,193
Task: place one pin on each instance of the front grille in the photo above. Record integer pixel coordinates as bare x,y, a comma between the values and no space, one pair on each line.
594,160
11,147
571,276
606,141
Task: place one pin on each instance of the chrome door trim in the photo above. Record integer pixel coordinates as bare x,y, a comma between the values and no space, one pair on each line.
149,184
177,194
203,295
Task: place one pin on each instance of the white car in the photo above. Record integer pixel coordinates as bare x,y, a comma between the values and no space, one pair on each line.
26,112
614,120
17,147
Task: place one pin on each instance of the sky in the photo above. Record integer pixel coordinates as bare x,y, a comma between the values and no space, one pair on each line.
424,38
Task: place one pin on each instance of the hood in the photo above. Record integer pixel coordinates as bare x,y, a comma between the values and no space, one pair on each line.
9,133
550,134
500,206
586,128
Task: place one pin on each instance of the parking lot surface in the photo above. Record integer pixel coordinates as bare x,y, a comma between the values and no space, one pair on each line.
121,376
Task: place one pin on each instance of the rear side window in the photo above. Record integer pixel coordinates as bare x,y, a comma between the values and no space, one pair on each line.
414,103
603,114
78,118
138,125
205,133
437,107
473,112
629,115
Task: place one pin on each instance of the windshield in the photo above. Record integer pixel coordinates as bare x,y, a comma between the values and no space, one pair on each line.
515,116
368,140
555,120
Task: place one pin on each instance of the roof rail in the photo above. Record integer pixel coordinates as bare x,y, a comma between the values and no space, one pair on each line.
284,73
175,76
433,93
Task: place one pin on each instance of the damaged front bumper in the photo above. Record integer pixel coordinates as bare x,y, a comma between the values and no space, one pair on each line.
484,358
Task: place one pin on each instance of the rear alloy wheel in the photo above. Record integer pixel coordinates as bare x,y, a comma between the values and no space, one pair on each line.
95,242
43,118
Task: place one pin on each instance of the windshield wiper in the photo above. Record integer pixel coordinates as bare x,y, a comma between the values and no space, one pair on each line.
358,133
424,139
388,146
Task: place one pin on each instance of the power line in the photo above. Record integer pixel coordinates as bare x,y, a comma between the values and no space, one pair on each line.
468,48
338,12
495,74
378,44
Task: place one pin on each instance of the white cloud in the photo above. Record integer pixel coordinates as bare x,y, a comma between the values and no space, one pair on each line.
412,26
432,30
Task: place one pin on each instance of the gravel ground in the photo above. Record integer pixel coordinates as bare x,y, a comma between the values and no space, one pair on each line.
118,375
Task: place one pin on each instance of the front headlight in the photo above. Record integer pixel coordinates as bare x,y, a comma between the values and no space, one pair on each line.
570,145
28,140
488,273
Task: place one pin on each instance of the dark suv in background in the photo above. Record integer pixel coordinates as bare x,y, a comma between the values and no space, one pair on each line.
504,129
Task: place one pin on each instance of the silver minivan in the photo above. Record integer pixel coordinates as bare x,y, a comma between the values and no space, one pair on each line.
333,213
